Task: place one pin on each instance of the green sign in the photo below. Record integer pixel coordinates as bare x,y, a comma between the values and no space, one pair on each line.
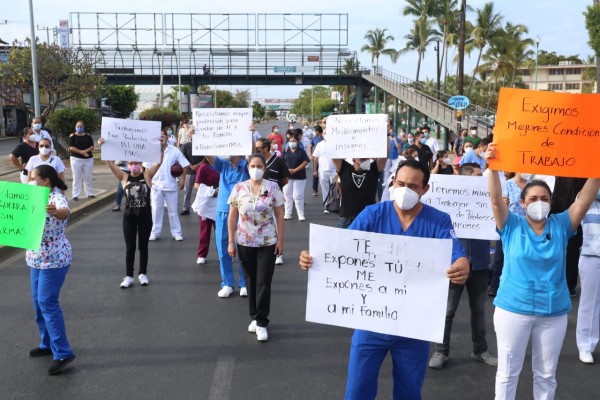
22,214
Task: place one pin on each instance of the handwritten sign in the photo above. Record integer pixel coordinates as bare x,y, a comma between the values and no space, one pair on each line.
467,200
381,283
222,131
130,140
22,214
547,133
357,136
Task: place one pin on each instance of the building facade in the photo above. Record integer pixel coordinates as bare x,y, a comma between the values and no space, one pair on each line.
566,77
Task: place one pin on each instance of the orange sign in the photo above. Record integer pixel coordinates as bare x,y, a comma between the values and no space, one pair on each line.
547,133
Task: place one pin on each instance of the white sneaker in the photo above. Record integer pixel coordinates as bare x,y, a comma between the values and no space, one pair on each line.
325,212
127,282
201,260
252,327
287,217
243,292
153,238
225,291
278,260
179,238
301,218
586,357
143,279
261,333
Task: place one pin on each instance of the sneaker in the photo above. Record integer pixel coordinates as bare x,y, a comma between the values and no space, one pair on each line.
278,260
225,291
315,193
261,333
153,238
486,357
243,292
59,365
252,327
75,198
116,208
91,197
584,356
201,260
127,281
437,361
325,212
185,212
178,238
39,352
143,279
301,218
287,217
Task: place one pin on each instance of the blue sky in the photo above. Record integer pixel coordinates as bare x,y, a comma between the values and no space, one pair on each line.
559,23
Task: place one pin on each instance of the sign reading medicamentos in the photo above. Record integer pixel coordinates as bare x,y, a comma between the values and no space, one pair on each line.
222,131
130,140
376,282
356,136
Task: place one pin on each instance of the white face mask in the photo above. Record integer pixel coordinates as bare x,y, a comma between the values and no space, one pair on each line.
45,151
468,149
365,165
34,137
225,158
404,197
538,210
446,160
526,176
32,183
274,146
256,173
305,127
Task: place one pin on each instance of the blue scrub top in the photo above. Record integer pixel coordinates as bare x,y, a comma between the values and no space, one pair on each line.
533,280
229,176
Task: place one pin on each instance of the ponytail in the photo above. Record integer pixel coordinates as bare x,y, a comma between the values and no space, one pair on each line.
45,171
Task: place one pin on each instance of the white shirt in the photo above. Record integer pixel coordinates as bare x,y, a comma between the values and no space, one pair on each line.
163,180
325,162
54,161
307,137
256,136
433,145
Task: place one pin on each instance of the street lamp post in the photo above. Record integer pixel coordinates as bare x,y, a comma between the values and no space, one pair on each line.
179,74
537,48
34,64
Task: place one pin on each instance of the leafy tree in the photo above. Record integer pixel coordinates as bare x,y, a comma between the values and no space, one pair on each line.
420,36
63,120
173,96
270,114
165,115
592,24
546,58
321,99
65,75
122,99
241,98
258,111
377,42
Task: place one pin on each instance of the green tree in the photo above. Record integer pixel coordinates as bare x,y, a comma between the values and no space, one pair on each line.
420,36
165,115
258,111
592,24
65,75
241,98
377,42
422,9
321,100
173,96
122,99
63,120
447,21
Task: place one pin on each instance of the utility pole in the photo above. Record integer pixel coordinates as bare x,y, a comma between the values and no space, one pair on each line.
2,128
34,64
460,80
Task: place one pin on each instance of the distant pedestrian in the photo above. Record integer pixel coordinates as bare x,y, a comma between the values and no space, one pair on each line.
190,176
24,151
207,186
46,157
81,146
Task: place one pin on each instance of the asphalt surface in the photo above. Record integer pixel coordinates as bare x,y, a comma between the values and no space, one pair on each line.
176,339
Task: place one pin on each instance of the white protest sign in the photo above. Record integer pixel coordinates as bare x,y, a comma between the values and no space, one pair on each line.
376,282
222,131
130,140
467,200
357,136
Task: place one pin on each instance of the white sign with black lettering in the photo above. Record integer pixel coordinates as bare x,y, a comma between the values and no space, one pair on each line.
130,140
380,283
467,200
357,136
222,131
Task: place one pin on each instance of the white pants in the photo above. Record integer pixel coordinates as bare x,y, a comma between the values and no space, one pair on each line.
325,180
588,316
158,199
293,193
82,169
513,332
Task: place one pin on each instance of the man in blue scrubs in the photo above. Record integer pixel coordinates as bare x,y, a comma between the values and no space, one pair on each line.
404,215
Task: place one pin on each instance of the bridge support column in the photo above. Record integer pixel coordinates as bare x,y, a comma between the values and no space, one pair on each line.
395,122
385,103
408,126
358,96
376,89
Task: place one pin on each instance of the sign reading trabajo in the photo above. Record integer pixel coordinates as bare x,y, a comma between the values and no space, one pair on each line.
547,133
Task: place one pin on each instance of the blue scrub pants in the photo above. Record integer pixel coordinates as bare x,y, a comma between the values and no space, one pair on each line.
45,288
369,349
225,261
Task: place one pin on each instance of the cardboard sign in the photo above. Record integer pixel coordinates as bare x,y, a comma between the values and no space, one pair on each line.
467,200
130,140
380,283
222,131
547,133
357,136
22,214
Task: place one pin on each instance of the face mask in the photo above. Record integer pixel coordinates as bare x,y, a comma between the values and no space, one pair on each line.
305,127
274,146
276,129
45,151
34,137
446,160
538,210
79,129
473,132
170,132
37,127
405,198
426,134
365,165
256,173
468,149
526,176
225,158
293,145
422,140
32,183
411,140
171,140
135,169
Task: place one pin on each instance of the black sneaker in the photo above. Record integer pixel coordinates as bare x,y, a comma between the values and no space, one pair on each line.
75,198
59,365
91,197
39,352
185,212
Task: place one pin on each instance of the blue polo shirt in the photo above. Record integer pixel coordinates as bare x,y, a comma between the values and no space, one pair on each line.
429,223
533,280
393,150
471,157
229,176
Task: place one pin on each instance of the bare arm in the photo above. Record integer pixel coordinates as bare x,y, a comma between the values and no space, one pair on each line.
58,213
280,224
584,199
15,161
337,163
210,159
231,221
499,206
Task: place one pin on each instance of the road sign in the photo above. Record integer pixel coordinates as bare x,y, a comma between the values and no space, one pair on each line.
459,102
284,68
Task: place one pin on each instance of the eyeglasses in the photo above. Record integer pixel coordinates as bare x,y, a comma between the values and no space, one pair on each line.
44,146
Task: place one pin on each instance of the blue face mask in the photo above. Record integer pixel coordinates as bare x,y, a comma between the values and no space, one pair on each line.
426,134
293,145
422,140
37,127
79,129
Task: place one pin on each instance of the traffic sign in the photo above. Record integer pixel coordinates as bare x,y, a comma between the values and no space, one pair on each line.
284,68
459,102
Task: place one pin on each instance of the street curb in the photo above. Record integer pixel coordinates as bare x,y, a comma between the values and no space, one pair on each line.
77,213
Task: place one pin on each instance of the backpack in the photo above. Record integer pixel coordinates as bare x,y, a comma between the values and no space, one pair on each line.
333,200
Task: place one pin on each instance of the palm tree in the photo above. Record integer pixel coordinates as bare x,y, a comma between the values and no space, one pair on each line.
520,49
422,9
377,41
447,20
420,36
350,68
486,28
